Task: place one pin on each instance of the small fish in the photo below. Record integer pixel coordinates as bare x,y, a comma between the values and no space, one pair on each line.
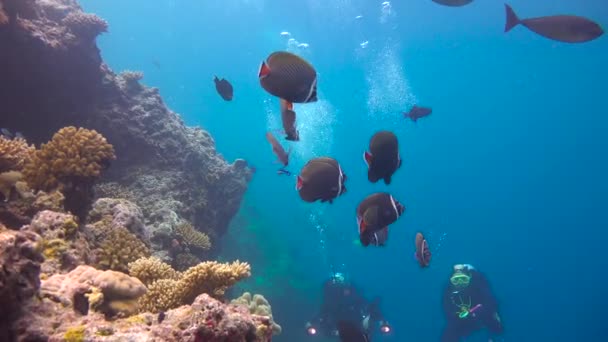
161,316
417,112
562,28
383,158
278,150
288,117
288,76
224,88
453,3
376,212
321,179
282,171
359,17
156,64
285,34
423,253
351,332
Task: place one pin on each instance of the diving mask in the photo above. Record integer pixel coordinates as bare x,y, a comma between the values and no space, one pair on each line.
460,279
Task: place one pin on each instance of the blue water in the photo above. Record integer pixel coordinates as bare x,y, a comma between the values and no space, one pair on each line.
509,173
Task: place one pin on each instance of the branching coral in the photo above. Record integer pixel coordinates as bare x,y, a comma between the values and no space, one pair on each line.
258,305
72,155
119,249
14,153
148,270
208,277
193,237
71,161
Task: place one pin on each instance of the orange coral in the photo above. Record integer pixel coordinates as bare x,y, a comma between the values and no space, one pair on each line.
14,153
73,154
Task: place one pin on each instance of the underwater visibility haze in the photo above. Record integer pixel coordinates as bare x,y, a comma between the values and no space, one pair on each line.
500,121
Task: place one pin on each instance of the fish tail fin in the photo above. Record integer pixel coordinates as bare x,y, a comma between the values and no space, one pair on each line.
387,180
512,19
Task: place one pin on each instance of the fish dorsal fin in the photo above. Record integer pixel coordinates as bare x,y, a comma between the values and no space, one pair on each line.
299,183
264,70
367,157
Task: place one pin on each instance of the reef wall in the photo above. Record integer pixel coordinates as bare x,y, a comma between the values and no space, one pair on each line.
52,76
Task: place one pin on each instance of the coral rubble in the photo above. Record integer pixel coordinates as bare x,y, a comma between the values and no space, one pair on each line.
53,76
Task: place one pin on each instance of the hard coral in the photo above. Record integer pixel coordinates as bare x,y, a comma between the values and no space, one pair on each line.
106,291
72,155
119,249
208,277
193,237
71,161
14,153
258,305
148,270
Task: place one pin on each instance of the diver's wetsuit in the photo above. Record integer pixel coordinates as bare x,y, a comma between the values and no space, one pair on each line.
342,301
477,292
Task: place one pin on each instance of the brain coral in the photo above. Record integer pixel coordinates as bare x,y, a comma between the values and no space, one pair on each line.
73,154
14,153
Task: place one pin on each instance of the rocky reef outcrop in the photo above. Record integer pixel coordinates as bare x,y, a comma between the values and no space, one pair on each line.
53,76
20,260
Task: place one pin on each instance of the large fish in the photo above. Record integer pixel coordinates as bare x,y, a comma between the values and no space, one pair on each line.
416,113
423,253
288,118
321,179
453,3
383,157
289,77
375,213
278,150
348,331
224,88
563,28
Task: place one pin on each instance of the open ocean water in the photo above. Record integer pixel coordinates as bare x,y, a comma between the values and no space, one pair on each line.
509,173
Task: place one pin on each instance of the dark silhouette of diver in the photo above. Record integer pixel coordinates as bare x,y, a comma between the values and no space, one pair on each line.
342,302
469,305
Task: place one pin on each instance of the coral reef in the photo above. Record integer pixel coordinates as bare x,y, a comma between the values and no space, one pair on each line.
24,205
192,237
207,319
120,213
167,289
14,153
70,162
258,305
86,288
64,246
172,169
20,260
119,248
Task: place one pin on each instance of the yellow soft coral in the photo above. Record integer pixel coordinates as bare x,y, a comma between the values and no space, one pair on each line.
14,154
193,237
209,277
72,154
119,249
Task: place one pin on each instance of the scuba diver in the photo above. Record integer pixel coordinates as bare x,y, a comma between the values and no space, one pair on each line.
469,305
345,313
